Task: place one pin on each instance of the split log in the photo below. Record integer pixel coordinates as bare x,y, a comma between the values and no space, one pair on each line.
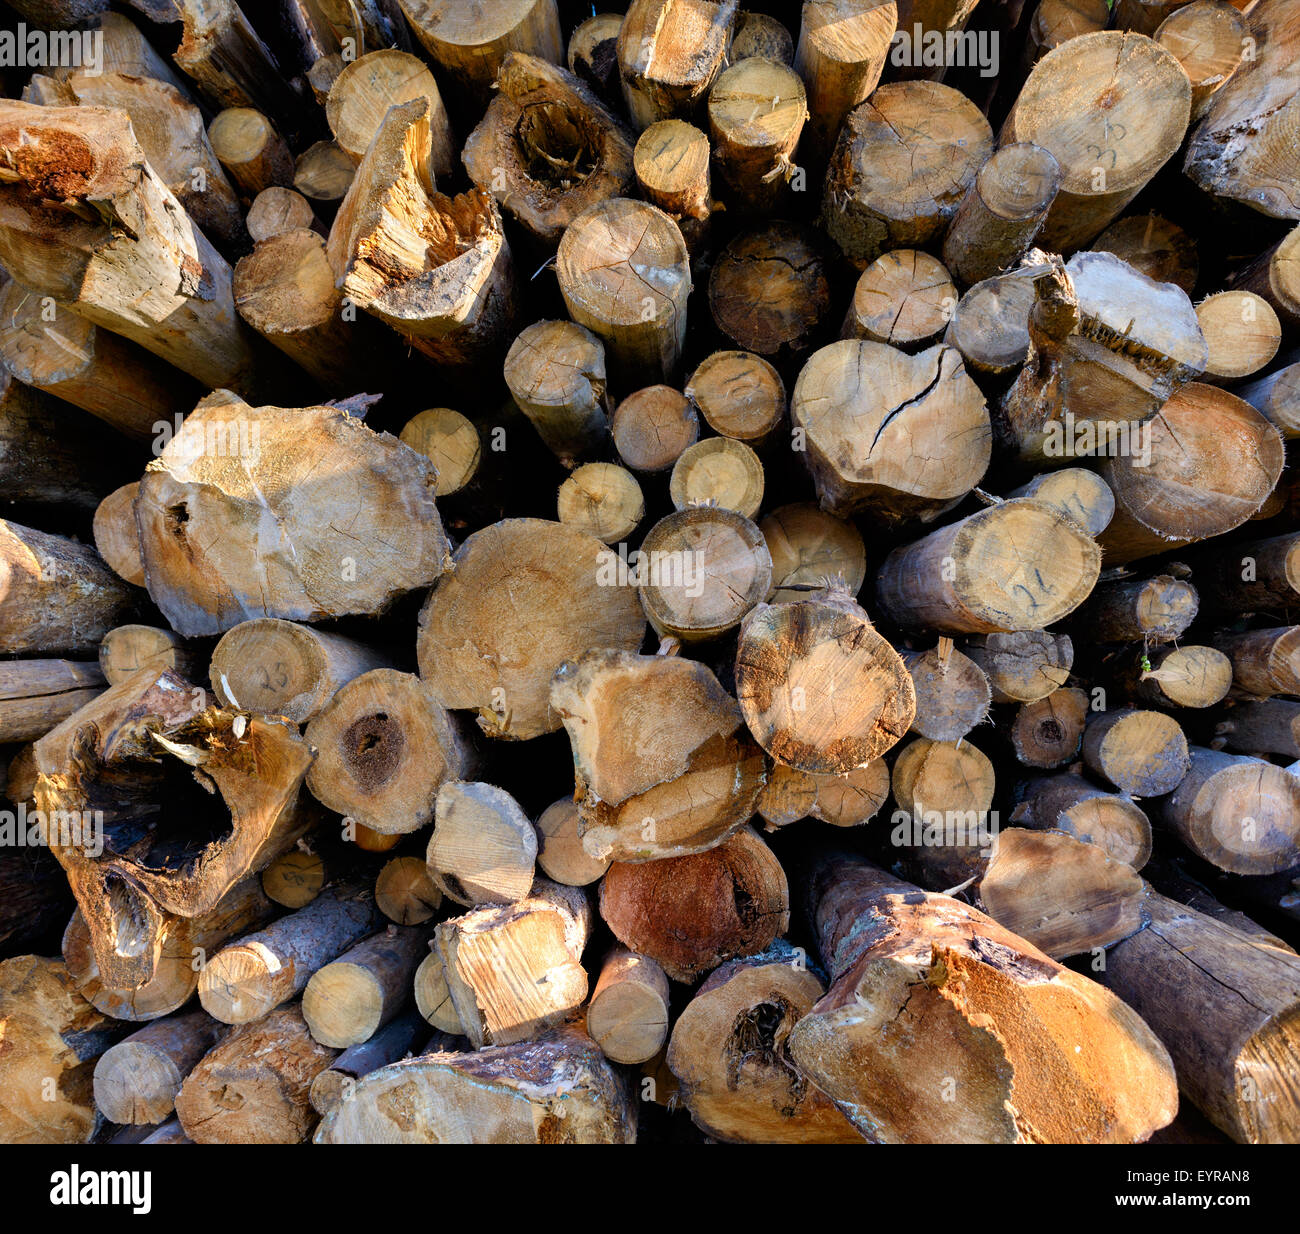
1186,676
990,325
1155,610
1062,895
628,1012
693,913
1244,149
401,1038
740,396
126,650
923,407
1211,461
208,564
294,879
183,950
231,65
652,427
324,173
904,297
770,291
1275,276
1264,662
1245,996
280,668
1019,1015
560,852
671,163
405,893
1070,804
1277,396
1142,753
515,970
757,34
1025,666
471,43
451,442
1081,494
116,539
52,1037
432,996
556,373
547,148
130,753
952,692
841,53
809,546
850,800
663,764
730,1054
450,297
1047,733
366,88
901,167
1270,726
718,471
669,54
385,746
625,275
1155,247
56,595
756,110
1240,814
171,133
602,499
276,210
136,1081
1243,333
250,978
1076,103
522,634
36,695
700,571
1208,38
483,849
559,1090
350,999
56,350
820,689
1002,212
253,1088
1020,565
251,151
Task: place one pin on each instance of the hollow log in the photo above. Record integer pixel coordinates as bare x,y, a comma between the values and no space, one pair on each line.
1047,732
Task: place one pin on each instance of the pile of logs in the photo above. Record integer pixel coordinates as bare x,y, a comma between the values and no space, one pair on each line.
691,572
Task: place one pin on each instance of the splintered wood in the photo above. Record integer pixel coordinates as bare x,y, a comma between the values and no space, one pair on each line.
693,573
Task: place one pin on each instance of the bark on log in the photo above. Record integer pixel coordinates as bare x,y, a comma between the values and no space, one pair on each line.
559,1090
252,152
401,1038
1264,662
1017,1012
351,998
1155,610
136,1080
693,913
923,406
1142,753
36,695
210,564
522,634
1228,1055
1070,804
556,373
663,763
1275,275
1277,396
628,1012
385,746
1270,726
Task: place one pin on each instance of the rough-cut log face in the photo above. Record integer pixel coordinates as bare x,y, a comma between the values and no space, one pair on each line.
729,1052
559,1090
918,439
132,754
551,143
810,547
664,765
692,913
523,596
821,690
1155,247
303,514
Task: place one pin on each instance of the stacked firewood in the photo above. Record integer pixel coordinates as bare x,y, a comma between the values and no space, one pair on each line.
682,573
